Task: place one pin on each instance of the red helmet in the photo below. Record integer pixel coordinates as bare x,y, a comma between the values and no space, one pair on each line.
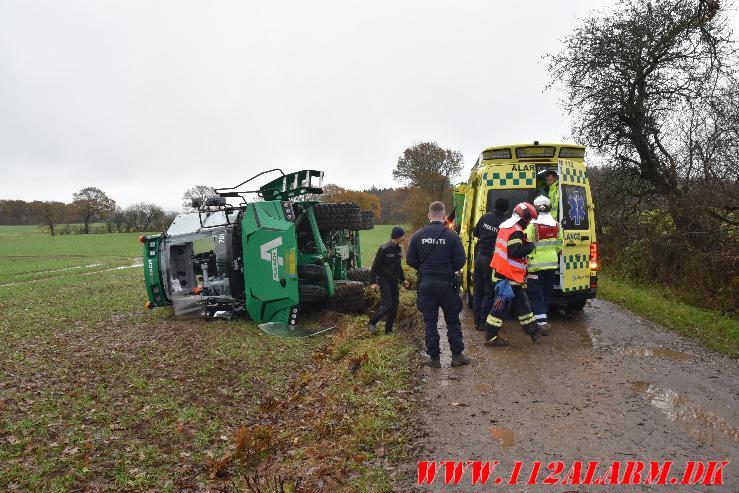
526,211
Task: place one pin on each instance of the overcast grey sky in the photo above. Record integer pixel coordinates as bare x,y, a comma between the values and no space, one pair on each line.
145,99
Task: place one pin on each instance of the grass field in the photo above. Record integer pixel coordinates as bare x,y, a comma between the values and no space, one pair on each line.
97,394
27,253
715,330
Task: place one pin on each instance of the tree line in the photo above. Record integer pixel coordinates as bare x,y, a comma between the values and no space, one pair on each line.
91,210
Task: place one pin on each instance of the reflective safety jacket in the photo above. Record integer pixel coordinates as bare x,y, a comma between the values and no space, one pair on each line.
547,241
511,241
554,199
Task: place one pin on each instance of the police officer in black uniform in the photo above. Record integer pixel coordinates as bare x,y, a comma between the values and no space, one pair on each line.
386,273
436,252
486,230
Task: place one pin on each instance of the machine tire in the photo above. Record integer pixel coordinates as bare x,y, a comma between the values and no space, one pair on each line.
311,272
362,275
577,305
348,297
337,216
368,220
311,293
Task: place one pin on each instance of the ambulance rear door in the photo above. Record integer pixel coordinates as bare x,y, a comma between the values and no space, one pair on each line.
574,218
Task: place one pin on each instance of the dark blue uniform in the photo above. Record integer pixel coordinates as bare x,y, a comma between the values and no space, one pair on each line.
387,272
486,231
436,252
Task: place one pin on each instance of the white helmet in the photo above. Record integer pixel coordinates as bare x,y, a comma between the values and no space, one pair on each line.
542,204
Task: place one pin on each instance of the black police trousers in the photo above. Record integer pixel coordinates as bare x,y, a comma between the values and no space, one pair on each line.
484,294
389,299
432,295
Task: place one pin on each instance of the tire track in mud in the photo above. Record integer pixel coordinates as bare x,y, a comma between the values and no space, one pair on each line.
67,269
606,385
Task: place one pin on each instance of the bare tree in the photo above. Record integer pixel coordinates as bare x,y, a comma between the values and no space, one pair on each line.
651,87
91,203
201,192
640,83
118,219
142,216
49,213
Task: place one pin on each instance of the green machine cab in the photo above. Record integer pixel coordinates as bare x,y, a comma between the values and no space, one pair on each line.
267,260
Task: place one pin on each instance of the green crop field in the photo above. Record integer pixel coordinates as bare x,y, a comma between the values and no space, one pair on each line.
27,253
97,393
372,239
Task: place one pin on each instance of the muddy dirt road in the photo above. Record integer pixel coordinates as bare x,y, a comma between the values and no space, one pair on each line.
605,385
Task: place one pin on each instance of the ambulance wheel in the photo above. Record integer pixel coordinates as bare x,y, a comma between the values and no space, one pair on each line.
577,305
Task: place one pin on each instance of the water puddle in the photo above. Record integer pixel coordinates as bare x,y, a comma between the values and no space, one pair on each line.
503,437
658,352
588,335
122,267
701,424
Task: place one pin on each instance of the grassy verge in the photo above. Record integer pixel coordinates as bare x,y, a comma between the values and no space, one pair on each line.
714,330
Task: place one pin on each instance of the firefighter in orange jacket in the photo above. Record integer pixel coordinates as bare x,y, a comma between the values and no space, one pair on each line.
509,263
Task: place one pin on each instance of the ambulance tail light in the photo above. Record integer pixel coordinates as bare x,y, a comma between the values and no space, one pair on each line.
594,259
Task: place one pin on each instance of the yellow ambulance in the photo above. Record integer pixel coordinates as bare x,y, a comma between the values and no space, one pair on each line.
517,173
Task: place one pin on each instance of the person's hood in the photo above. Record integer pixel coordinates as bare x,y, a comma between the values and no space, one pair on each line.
545,219
511,221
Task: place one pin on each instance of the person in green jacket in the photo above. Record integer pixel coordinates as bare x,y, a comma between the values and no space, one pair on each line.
545,234
552,182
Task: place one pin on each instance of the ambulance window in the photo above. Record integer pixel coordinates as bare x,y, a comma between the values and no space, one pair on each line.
513,197
575,208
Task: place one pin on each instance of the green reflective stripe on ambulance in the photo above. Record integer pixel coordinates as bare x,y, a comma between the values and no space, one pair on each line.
576,261
574,175
509,179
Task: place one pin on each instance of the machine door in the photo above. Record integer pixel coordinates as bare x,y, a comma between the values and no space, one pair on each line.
574,268
270,261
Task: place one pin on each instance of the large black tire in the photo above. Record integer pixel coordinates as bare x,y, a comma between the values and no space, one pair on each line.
311,293
362,275
368,220
337,216
348,298
311,272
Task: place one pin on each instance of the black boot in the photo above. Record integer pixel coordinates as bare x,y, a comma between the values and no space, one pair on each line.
434,361
534,331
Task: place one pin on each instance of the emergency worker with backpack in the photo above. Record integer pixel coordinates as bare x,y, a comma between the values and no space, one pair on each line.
546,236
